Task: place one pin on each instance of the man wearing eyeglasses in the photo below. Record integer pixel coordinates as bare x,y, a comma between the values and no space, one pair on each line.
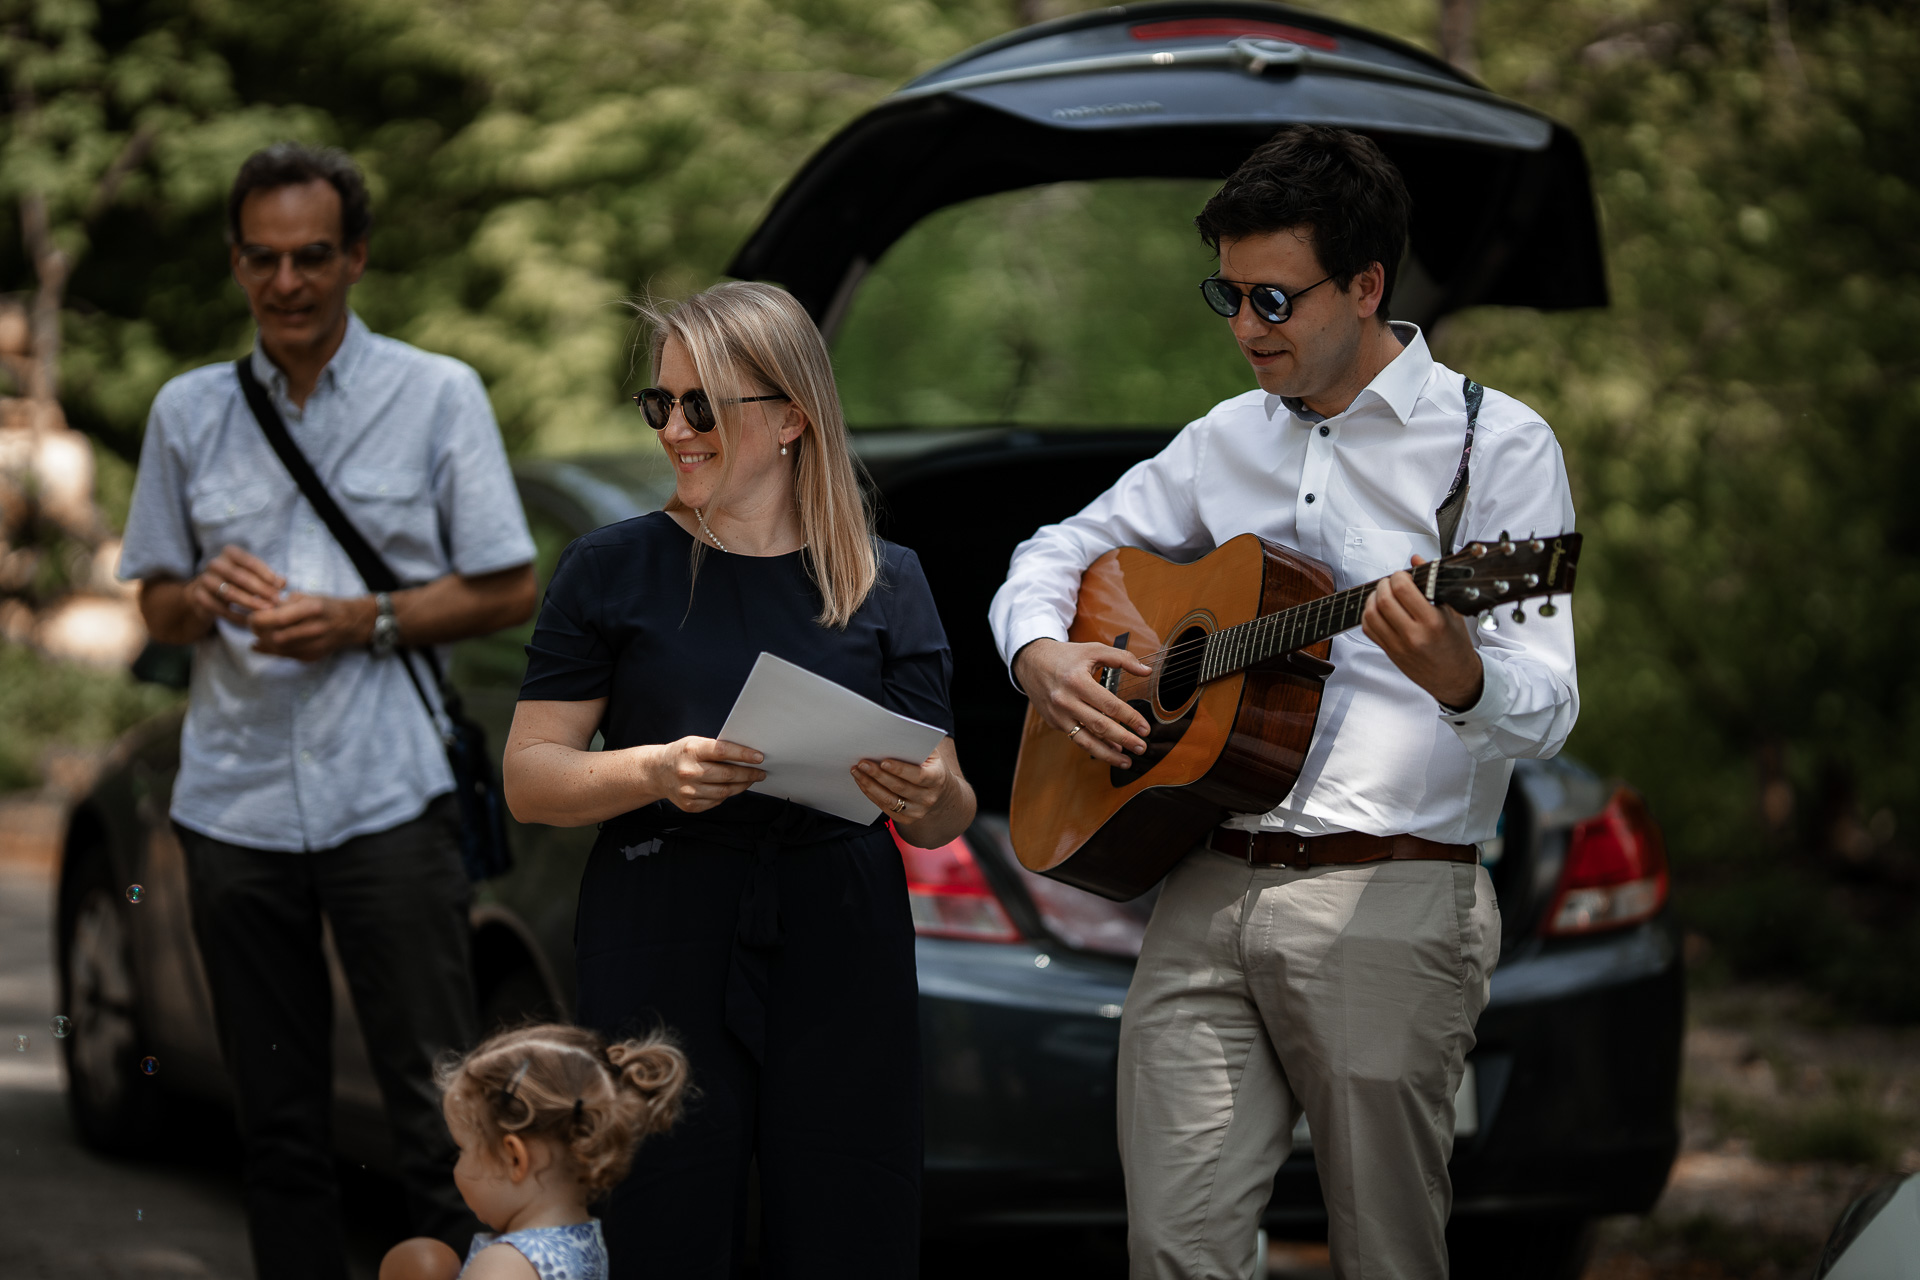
1330,957
314,784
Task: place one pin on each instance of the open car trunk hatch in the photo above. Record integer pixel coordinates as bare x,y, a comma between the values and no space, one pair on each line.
1502,206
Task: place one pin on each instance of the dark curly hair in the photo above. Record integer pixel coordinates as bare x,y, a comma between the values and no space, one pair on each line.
1333,181
291,164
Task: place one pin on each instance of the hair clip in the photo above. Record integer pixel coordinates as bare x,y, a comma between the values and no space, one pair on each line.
518,1076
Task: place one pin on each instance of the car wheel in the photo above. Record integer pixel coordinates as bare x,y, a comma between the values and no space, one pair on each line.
113,1104
1520,1248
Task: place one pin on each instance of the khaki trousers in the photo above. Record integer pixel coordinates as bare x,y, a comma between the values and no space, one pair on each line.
1347,992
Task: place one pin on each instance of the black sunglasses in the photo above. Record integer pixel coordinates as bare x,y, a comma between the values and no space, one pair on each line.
657,404
1269,303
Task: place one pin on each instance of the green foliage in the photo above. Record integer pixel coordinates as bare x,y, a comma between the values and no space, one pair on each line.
532,164
1071,304
44,703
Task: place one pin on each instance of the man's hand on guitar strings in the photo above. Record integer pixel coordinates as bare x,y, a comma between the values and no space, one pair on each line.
1062,682
1430,643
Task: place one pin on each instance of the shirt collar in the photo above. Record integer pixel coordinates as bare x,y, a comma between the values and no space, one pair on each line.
353,346
1397,386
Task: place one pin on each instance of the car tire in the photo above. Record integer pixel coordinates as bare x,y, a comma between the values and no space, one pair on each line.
115,1107
1520,1248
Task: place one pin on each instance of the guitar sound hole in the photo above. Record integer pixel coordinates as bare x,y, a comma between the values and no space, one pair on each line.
1181,676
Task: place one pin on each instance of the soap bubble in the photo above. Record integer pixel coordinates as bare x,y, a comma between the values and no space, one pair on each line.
134,893
149,1064
21,1043
62,1026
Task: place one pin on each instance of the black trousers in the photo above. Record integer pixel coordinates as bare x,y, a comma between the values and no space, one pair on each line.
788,975
397,904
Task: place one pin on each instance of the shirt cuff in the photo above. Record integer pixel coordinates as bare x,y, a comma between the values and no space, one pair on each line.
1474,726
1024,631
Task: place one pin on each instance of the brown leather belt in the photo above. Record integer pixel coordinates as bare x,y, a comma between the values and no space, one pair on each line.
1283,849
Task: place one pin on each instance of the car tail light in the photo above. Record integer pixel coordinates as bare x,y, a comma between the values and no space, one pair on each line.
1227,28
1616,870
950,896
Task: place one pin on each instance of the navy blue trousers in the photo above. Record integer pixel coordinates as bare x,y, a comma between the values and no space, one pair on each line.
787,973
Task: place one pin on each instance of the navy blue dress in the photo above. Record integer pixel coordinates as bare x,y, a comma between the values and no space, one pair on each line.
773,939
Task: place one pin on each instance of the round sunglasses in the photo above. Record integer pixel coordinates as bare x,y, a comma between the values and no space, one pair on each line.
657,404
1269,303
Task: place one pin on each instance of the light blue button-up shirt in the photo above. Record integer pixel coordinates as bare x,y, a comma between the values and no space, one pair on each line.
287,755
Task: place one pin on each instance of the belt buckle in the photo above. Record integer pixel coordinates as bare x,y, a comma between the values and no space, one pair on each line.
1300,851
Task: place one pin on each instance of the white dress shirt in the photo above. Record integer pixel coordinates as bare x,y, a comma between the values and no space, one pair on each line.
1358,491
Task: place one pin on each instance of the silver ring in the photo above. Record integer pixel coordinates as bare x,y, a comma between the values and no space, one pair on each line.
1077,728
901,806
223,588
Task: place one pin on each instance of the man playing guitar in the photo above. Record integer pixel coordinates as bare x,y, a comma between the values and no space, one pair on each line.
1331,956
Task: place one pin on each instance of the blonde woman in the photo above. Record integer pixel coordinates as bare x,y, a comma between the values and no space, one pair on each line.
774,939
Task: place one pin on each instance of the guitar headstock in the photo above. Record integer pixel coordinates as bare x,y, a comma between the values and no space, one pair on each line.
1483,574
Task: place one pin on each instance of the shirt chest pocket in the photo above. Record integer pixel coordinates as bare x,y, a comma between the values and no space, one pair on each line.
1370,554
222,510
383,484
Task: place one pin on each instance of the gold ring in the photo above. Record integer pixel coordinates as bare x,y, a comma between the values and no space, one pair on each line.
901,807
1077,728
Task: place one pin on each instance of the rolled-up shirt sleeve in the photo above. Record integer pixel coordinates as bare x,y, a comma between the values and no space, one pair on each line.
1151,505
1531,695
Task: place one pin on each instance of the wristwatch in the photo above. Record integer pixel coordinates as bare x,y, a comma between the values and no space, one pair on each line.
386,627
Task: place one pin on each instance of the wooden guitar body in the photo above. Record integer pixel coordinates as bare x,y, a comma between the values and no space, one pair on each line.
1231,744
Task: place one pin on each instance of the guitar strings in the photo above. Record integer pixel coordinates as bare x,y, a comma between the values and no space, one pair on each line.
1183,658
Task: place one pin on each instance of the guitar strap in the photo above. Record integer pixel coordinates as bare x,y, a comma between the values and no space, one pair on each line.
1448,513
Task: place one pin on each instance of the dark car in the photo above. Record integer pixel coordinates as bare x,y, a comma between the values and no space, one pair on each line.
997,253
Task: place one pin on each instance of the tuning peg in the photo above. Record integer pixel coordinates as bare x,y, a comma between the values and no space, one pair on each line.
1548,609
1506,543
1536,546
1489,623
1519,613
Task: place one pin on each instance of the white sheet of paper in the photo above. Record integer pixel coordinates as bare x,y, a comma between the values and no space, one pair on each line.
812,731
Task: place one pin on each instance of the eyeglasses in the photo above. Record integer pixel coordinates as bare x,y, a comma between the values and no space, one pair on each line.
257,262
1269,303
657,404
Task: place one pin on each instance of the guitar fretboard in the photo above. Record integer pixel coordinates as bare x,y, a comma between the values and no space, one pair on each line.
1270,635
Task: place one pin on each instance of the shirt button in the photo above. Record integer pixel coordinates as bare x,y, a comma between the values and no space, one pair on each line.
1309,497
1325,430
306,757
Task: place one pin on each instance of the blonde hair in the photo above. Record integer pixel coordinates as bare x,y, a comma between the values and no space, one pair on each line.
756,339
596,1101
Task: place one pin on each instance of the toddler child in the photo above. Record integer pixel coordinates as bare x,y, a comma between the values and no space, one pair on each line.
547,1119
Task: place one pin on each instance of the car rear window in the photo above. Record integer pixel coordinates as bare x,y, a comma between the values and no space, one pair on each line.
1071,304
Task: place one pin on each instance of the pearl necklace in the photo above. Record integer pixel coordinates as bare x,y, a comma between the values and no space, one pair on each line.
716,542
703,528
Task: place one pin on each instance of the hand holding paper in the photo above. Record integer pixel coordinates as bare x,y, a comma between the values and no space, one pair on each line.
812,732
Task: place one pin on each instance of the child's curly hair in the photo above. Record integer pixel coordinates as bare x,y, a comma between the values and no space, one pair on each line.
598,1101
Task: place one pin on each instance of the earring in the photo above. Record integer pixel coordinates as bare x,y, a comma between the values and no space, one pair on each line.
783,451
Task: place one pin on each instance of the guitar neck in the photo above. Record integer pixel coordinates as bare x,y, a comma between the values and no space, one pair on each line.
1271,635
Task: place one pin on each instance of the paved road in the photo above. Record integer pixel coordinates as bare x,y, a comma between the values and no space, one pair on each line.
65,1212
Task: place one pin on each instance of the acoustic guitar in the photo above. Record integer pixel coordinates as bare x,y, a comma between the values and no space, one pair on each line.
1238,642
